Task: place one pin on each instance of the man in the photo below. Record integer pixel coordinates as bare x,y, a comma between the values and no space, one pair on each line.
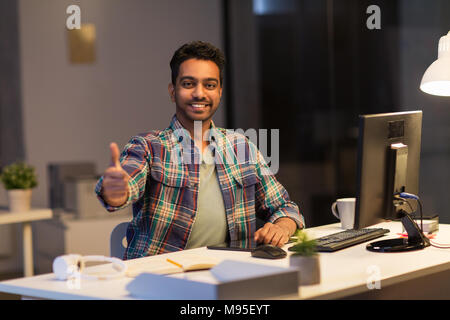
185,190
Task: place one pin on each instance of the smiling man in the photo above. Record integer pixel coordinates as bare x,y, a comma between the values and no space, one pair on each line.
185,190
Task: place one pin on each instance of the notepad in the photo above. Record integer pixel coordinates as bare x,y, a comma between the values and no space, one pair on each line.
172,264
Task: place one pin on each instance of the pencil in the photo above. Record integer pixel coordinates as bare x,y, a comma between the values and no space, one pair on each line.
173,262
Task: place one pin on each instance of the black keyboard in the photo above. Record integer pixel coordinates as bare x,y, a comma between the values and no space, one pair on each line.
347,238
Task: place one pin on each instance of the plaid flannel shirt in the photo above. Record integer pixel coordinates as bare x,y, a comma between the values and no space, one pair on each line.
163,188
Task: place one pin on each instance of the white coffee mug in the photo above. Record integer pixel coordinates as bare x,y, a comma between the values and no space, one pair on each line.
344,210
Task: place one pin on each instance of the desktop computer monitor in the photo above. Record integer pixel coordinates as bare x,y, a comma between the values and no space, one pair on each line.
388,164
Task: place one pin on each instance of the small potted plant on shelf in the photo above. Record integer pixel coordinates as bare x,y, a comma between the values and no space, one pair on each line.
305,258
19,179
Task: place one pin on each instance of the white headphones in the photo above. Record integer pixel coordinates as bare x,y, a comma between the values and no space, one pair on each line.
72,265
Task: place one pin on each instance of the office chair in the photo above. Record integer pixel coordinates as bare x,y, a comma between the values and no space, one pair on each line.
118,240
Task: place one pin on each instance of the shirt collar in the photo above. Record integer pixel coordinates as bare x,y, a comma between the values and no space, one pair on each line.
181,133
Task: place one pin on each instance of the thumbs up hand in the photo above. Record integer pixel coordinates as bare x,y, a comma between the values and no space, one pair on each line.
115,153
115,180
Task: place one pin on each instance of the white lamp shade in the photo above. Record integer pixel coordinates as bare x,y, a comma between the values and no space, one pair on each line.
436,80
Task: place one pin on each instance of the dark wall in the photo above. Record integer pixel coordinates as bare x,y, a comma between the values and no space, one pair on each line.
11,136
311,67
320,67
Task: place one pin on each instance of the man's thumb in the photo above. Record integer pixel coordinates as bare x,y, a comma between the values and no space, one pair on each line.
114,154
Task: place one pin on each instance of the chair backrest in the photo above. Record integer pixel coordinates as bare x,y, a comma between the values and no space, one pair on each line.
118,240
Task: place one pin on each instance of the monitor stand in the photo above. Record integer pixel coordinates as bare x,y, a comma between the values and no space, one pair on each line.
416,239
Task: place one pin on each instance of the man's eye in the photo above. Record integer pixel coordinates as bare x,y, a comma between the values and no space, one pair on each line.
187,84
211,86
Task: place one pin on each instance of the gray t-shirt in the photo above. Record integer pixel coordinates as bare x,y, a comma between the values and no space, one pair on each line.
210,224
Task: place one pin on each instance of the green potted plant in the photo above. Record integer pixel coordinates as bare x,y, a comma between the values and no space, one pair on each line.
19,179
304,257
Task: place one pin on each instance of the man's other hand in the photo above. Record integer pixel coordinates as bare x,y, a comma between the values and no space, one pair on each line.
115,180
277,233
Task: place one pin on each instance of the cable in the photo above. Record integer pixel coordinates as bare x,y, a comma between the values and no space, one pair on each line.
409,196
403,196
439,246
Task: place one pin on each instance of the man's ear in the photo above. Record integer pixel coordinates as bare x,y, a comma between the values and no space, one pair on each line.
172,92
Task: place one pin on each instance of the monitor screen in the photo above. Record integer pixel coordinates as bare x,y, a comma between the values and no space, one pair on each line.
387,163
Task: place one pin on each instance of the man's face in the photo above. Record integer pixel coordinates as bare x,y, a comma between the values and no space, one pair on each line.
197,90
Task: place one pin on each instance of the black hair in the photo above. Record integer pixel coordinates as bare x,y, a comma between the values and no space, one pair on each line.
197,50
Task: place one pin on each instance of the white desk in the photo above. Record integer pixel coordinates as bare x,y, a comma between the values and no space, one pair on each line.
344,273
26,218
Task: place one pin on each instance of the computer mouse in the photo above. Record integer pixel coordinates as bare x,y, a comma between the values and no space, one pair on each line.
268,251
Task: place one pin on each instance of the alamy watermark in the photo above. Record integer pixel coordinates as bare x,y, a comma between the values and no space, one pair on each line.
74,279
373,22
374,278
235,147
74,20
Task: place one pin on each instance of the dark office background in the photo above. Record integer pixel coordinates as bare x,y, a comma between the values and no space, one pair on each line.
310,67
10,99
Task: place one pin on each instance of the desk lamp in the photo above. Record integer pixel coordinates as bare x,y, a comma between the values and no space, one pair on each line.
436,80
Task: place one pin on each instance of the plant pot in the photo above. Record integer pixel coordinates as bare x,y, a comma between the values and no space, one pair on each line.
19,200
308,267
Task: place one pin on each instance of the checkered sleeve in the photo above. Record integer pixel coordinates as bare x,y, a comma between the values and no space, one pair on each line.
272,200
135,159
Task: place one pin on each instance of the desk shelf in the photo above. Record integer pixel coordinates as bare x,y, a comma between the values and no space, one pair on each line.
7,217
25,218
